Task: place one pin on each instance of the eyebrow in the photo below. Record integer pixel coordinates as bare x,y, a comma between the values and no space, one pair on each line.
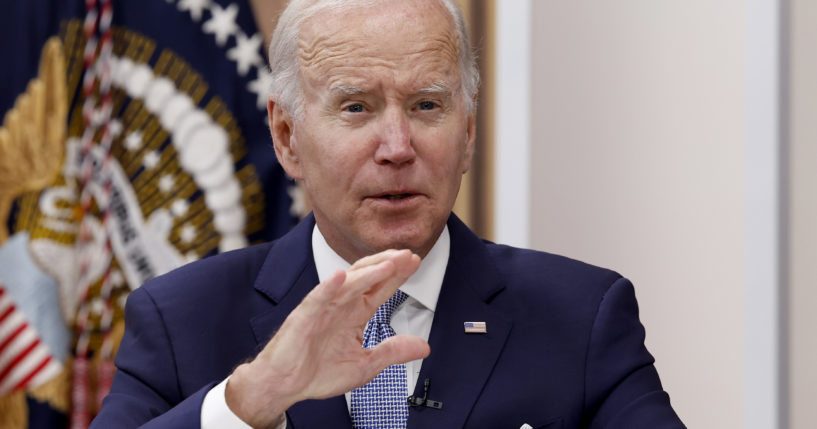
347,89
438,87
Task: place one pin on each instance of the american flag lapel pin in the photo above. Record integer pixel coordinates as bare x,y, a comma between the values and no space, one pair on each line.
476,328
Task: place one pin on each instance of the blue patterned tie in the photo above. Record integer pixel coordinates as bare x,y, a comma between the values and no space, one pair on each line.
381,404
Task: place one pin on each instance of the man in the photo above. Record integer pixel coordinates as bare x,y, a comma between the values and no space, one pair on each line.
373,111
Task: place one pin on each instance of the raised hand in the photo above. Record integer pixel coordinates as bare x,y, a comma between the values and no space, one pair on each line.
317,352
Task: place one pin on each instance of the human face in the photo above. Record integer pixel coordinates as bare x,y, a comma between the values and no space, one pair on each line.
384,137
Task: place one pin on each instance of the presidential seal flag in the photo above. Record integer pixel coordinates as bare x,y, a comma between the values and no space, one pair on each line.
134,140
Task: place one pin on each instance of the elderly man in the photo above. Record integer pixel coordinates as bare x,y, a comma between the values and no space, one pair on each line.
373,110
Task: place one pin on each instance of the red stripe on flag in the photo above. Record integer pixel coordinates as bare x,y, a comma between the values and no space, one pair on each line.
7,313
19,358
33,372
13,335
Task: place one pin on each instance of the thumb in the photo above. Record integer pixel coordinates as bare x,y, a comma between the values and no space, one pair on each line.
398,349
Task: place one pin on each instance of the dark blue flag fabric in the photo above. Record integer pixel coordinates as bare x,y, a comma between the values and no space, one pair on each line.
134,140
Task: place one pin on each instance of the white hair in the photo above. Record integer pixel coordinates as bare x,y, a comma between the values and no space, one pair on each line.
286,89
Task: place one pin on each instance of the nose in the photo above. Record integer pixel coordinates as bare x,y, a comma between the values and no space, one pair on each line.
395,145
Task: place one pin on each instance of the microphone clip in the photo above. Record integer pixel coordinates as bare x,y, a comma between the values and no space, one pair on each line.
414,401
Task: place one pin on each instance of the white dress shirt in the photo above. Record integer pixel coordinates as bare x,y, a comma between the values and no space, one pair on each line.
413,317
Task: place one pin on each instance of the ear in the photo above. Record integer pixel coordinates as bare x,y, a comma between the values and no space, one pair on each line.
470,138
282,129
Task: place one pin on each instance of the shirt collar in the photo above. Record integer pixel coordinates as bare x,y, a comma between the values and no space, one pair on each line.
424,285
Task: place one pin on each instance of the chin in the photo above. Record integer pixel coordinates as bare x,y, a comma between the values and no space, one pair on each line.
416,236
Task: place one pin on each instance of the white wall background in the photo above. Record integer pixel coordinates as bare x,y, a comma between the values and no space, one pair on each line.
653,150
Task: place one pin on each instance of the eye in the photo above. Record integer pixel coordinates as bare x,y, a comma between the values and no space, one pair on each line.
354,108
426,105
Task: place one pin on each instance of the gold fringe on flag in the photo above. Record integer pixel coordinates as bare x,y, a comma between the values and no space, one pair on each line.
14,411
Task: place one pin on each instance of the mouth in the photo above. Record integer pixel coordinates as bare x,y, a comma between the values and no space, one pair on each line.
396,197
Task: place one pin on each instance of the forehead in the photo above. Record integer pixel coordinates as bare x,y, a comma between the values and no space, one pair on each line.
403,37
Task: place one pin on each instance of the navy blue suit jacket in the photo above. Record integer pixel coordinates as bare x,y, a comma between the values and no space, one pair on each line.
564,347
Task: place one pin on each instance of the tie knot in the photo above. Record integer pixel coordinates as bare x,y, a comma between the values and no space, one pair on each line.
383,313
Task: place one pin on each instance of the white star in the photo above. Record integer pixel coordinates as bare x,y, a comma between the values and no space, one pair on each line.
298,207
116,278
222,24
97,306
98,117
166,183
245,52
151,160
133,141
196,7
115,127
179,207
191,256
260,86
122,300
188,234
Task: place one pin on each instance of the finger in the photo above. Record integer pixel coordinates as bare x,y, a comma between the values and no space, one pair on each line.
364,280
405,265
397,349
332,285
376,258
343,287
317,300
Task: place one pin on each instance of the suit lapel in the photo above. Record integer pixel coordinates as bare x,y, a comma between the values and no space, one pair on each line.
288,274
267,323
460,363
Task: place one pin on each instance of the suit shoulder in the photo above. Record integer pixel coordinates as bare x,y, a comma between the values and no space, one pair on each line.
542,283
542,288
537,265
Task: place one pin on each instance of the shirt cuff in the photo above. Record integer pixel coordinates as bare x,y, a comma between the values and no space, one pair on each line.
215,414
